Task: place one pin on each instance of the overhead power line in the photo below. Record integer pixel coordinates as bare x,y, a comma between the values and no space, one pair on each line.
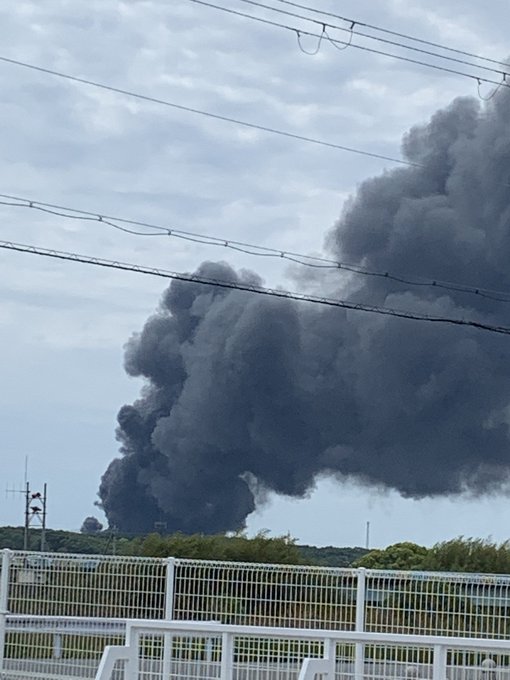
208,114
236,285
387,31
314,261
350,43
353,30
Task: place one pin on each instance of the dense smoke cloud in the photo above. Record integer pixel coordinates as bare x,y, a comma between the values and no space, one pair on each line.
246,394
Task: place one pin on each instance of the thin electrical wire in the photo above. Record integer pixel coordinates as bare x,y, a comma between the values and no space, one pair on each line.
312,53
347,44
207,114
314,261
385,41
364,48
491,95
270,292
394,33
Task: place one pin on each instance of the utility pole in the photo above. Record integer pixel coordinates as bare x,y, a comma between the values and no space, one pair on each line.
35,513
35,509
367,537
114,532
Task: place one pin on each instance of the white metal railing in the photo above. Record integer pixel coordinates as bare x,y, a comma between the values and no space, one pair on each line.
4,602
206,651
58,587
57,647
46,584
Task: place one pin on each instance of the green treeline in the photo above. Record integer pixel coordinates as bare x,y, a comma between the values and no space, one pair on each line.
237,548
57,541
331,556
460,554
473,555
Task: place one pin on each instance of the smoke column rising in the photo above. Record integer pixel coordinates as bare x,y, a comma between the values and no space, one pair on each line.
246,394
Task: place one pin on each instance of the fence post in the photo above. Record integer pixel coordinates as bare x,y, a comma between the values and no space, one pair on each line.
169,588
359,647
4,601
132,667
227,656
330,655
439,663
169,615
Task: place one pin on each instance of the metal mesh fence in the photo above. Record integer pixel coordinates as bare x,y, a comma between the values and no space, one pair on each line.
463,605
194,658
477,665
65,609
103,588
397,661
275,657
470,605
79,585
200,657
39,647
427,603
265,595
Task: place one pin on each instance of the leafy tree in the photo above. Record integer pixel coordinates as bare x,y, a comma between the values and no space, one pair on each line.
473,555
237,548
330,556
470,554
398,556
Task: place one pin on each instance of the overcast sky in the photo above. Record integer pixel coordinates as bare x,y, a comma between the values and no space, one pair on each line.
63,326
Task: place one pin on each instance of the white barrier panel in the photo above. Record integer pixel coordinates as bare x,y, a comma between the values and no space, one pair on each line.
46,584
211,651
265,594
106,588
56,647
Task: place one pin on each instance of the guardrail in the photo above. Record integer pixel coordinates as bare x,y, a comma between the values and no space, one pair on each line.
206,651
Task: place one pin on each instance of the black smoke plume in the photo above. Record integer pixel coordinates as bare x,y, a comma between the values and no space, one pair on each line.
244,393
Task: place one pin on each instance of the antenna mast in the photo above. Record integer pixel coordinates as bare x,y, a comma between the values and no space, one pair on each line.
35,513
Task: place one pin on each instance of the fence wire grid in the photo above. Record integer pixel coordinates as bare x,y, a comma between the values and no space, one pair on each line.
37,589
276,655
